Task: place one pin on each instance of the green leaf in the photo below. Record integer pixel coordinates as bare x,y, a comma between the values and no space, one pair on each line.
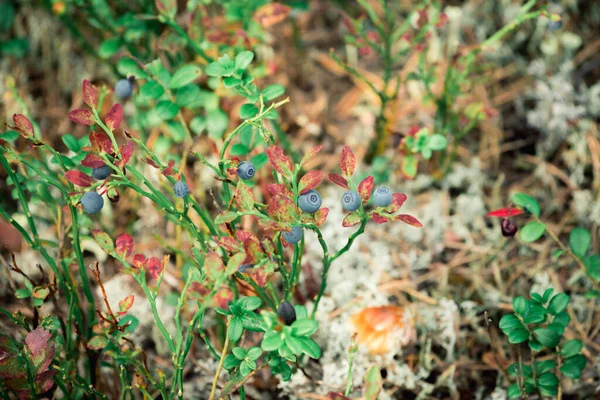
294,344
518,335
215,69
259,160
547,337
571,348
239,353
250,303
527,202
152,90
532,231
557,253
187,95
235,329
562,318
556,327
558,303
104,241
592,265
109,47
22,293
239,149
9,136
224,217
245,369
253,322
373,383
301,312
537,298
547,294
243,60
248,111
409,166
230,362
519,305
513,391
579,241
544,366
216,123
271,341
71,143
573,366
509,322
232,81
436,142
305,327
97,343
310,348
547,380
167,110
272,91
536,314
184,75
254,353
535,345
126,67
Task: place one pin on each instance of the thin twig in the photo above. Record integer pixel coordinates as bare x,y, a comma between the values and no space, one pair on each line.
223,353
488,326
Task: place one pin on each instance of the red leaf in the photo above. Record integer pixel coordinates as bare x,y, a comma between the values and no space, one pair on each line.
310,154
282,209
23,125
379,219
92,161
271,14
90,96
114,117
365,188
151,162
339,180
280,189
280,161
259,276
169,170
408,219
253,250
310,181
213,265
242,236
82,117
126,153
229,244
139,260
267,224
397,200
352,219
125,305
101,142
154,267
347,161
124,245
79,178
223,297
40,348
505,212
320,216
244,197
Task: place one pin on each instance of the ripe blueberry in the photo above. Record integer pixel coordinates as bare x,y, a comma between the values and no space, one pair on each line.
101,173
245,267
246,170
509,228
351,200
124,88
382,197
181,189
555,25
286,313
294,236
92,202
310,201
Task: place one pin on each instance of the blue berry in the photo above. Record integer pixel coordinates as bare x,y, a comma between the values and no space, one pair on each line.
246,170
294,236
124,88
351,200
287,313
555,25
245,267
181,189
101,173
310,201
92,202
382,197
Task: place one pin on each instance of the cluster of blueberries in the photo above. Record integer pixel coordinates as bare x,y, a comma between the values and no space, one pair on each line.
92,202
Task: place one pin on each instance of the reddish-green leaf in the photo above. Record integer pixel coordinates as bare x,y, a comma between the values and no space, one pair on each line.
126,153
310,181
41,349
352,219
244,197
280,161
267,224
97,343
313,152
154,266
408,219
114,117
92,161
228,243
169,170
410,164
339,180
81,116
101,142
79,178
104,241
90,96
373,383
271,14
235,262
139,261
124,245
23,125
320,216
225,216
379,219
397,200
214,265
505,212
347,161
253,250
365,188
281,189
282,209
125,305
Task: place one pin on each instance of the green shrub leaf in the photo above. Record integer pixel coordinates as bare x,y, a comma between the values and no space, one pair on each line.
532,231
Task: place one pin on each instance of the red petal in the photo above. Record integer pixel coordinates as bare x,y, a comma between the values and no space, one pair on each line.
505,212
79,178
